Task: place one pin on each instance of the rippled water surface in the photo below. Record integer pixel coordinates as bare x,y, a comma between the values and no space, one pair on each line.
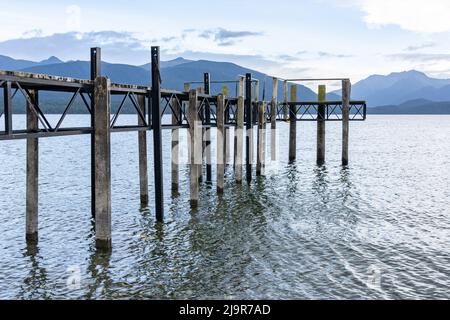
377,229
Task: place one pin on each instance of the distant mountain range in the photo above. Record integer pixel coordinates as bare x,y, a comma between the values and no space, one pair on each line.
174,73
401,88
419,106
7,63
409,92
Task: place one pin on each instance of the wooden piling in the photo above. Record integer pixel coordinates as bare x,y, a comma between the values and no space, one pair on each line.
186,88
175,144
293,124
96,62
227,140
7,107
32,202
346,94
102,158
207,88
285,100
240,92
322,96
196,148
249,127
226,133
220,146
142,143
273,120
239,134
261,157
157,135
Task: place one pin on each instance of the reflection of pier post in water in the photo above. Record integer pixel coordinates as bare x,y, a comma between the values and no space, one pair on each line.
195,111
34,284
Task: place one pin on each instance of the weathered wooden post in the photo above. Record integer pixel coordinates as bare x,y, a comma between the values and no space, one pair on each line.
32,203
249,126
102,161
256,91
207,88
240,92
241,86
239,134
196,148
7,107
157,134
202,141
220,146
142,143
186,88
225,91
293,124
96,63
175,144
273,120
226,134
321,125
261,157
346,94
285,96
255,100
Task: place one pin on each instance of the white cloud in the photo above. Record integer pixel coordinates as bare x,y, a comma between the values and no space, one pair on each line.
415,15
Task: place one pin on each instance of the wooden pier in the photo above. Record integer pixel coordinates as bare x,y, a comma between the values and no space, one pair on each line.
197,111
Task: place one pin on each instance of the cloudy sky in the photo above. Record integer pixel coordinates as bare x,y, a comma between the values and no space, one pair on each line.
285,38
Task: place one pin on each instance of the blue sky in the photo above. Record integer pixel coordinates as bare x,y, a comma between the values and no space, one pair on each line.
308,38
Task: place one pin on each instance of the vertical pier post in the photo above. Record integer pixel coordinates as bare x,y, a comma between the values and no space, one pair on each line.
239,134
226,133
241,89
175,144
201,91
142,142
321,125
249,126
196,148
96,62
256,91
273,120
102,160
293,124
32,203
220,146
255,99
261,157
186,88
285,100
157,134
207,87
240,92
7,107
346,94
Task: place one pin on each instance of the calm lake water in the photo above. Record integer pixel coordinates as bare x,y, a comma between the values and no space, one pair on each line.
377,229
